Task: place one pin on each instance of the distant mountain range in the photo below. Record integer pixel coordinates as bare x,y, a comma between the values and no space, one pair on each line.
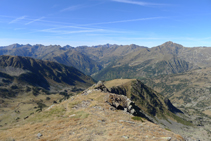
106,62
67,56
87,59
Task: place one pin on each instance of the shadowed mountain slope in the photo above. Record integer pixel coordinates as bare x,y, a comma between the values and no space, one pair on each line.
74,58
27,70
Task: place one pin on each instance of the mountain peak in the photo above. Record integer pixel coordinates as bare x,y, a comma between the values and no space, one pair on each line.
14,46
105,45
67,47
170,47
170,44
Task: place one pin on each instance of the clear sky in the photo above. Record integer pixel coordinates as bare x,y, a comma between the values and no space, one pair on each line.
93,22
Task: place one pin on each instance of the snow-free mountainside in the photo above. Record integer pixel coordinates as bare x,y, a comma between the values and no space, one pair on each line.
169,86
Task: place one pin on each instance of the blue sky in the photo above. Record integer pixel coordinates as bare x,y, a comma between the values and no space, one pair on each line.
93,22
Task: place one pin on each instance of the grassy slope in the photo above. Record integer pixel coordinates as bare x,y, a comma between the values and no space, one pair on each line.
31,85
91,121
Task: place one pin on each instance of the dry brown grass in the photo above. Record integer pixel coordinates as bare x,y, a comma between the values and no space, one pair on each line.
94,122
117,82
20,107
207,112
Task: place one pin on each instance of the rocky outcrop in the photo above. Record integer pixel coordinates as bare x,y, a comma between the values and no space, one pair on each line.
101,86
123,103
120,102
39,135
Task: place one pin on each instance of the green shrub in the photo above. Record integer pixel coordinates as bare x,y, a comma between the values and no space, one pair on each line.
137,118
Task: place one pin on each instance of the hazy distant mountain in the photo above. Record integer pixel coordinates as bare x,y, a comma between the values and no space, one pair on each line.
87,59
14,46
147,62
105,54
111,61
198,56
67,56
